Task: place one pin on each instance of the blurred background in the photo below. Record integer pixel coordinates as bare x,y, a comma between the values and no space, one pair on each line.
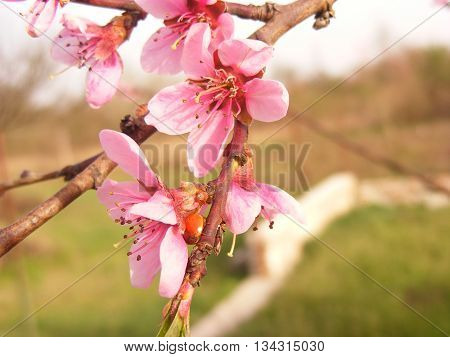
398,106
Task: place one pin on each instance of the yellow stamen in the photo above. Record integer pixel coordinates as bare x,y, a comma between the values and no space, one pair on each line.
54,75
233,244
177,42
210,90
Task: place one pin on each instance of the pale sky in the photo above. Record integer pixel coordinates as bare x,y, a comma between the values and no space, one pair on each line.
361,30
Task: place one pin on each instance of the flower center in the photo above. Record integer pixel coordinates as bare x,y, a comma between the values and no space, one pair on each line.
223,85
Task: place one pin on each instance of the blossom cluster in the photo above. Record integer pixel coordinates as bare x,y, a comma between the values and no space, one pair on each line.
224,84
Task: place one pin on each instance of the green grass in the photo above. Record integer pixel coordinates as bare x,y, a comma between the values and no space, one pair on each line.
407,250
101,304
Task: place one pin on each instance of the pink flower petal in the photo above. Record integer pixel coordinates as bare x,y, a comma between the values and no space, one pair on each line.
119,197
143,271
41,16
164,9
173,257
206,144
79,25
173,110
223,31
196,60
124,151
103,80
276,201
66,48
158,55
158,208
266,100
241,209
246,56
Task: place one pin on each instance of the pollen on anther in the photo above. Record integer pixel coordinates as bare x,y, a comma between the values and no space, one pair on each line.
138,258
129,253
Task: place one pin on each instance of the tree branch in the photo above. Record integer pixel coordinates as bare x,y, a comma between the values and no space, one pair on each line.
252,12
196,266
91,177
28,178
285,17
127,5
280,20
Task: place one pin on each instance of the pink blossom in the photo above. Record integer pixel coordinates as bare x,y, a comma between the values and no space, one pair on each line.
220,87
41,15
84,43
153,212
248,199
163,51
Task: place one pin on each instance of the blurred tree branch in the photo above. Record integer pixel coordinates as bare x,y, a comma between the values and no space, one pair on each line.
370,155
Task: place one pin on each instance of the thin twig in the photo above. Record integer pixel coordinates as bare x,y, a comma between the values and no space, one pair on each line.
28,178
